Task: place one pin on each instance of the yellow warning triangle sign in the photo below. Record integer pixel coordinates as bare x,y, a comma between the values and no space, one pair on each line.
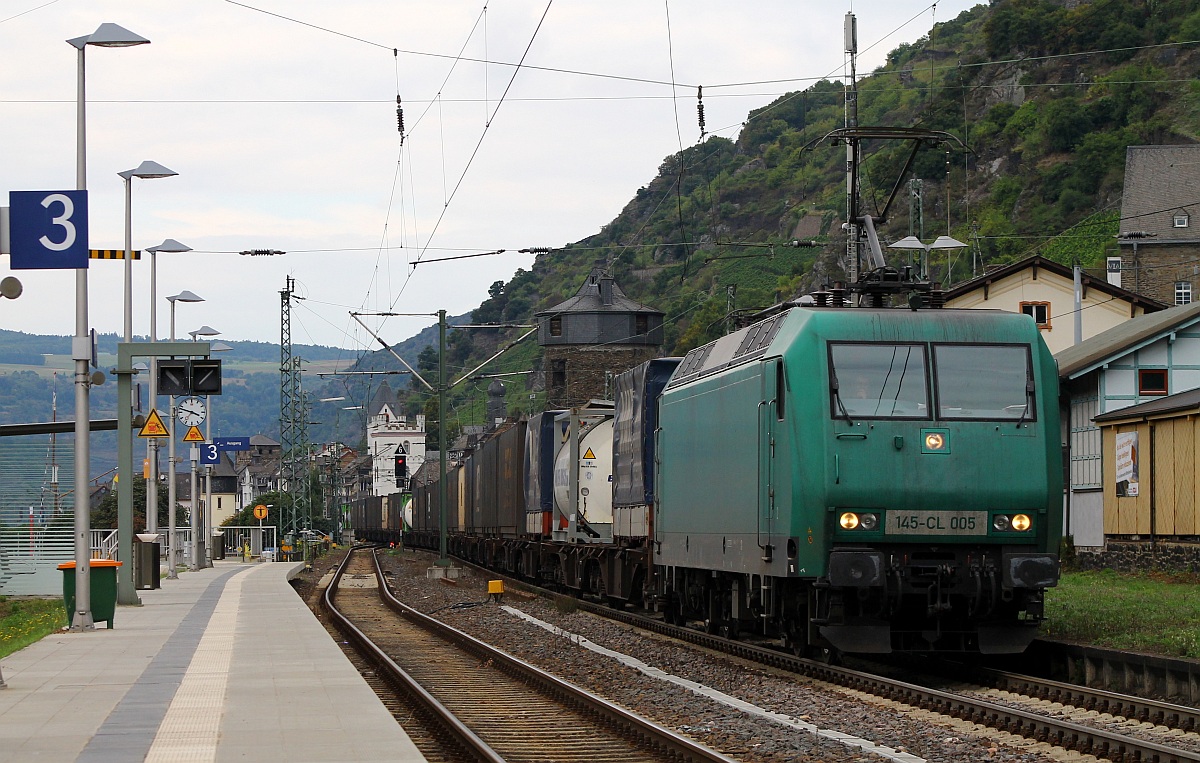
154,426
193,435
589,454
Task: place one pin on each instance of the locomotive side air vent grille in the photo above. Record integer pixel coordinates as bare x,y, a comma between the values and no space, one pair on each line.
751,338
751,343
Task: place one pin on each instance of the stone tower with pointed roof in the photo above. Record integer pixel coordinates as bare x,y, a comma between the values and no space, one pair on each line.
593,336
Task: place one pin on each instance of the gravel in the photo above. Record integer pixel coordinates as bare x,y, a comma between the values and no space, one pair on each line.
734,732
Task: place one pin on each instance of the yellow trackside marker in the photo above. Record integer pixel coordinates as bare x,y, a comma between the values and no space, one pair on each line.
589,454
112,254
193,435
154,427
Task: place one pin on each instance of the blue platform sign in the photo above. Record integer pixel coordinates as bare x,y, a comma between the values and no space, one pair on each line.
209,453
48,230
232,443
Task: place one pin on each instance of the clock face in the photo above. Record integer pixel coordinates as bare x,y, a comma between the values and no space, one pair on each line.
191,411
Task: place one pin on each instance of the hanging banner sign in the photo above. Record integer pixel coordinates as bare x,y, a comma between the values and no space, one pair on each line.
1127,464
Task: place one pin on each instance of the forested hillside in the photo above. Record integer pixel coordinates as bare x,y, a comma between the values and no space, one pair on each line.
1046,96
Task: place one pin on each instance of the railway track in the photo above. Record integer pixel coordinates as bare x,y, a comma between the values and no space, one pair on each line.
487,704
1062,724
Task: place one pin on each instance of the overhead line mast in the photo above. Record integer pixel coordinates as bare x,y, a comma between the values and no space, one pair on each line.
293,416
852,153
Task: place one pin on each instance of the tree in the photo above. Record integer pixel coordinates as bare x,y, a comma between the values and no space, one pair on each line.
432,425
104,516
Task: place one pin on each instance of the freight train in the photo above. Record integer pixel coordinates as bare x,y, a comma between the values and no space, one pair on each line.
859,480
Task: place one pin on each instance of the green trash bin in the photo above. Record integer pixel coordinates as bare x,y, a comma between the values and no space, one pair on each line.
103,589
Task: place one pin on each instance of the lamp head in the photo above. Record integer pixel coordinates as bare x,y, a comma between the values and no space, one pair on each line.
204,331
219,347
946,242
908,242
148,169
185,296
109,35
170,245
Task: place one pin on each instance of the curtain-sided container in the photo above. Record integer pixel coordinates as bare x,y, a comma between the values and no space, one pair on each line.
541,443
637,392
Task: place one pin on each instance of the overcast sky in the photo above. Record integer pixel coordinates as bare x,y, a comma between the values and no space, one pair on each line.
282,128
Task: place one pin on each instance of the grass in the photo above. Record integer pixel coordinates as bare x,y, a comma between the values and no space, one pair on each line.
1151,613
24,621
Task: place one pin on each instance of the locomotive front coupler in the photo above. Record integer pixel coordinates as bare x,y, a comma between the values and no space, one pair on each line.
936,599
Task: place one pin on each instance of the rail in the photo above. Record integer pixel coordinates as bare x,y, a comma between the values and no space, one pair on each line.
1072,736
462,735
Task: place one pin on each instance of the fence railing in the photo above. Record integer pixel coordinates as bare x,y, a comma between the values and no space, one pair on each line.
258,539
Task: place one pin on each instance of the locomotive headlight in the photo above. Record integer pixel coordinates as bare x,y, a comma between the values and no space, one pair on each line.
1011,523
848,520
868,522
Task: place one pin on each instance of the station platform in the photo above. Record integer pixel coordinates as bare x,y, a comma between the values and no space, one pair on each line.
225,663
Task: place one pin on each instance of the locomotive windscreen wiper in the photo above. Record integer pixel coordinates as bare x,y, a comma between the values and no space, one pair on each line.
838,398
1028,398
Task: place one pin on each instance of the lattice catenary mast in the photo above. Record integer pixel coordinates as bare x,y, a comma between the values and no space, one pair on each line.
293,418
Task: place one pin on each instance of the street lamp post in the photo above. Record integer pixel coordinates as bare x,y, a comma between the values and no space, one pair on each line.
201,524
172,574
208,469
169,245
146,169
105,36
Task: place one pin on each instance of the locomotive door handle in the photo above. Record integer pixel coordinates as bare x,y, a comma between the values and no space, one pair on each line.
851,436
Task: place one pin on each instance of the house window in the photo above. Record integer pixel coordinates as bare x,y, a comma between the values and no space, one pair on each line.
1152,381
1183,292
1181,220
641,324
1039,311
556,326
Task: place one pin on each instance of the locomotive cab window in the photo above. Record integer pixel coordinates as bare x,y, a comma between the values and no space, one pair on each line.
991,382
878,381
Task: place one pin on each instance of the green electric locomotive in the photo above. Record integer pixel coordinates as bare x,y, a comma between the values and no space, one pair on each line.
866,480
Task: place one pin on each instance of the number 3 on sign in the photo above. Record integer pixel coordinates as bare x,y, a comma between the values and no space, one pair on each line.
48,230
63,220
209,453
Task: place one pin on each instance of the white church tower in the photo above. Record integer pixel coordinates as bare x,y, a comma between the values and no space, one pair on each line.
390,433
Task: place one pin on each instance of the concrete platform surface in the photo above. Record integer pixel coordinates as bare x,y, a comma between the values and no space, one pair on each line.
222,664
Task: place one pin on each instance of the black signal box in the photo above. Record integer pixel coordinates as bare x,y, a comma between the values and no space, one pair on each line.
206,377
174,377
189,377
